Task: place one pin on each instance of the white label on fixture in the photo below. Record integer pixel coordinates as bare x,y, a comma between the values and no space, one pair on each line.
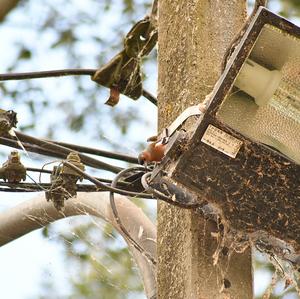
221,141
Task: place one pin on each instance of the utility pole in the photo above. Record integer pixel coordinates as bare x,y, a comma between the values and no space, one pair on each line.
193,37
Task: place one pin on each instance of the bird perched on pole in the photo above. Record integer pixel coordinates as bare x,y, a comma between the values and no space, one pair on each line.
154,152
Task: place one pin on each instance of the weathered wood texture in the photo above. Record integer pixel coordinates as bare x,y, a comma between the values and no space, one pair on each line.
193,36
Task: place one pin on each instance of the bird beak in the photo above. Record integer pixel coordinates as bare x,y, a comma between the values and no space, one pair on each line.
141,160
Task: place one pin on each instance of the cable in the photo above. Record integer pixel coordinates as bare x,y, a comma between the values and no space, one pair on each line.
8,141
154,10
99,182
28,186
40,170
15,190
62,73
98,152
47,74
65,151
33,187
34,149
168,199
36,183
32,169
116,214
113,189
107,187
155,193
149,97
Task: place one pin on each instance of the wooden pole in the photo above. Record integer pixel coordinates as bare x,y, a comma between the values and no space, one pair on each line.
193,37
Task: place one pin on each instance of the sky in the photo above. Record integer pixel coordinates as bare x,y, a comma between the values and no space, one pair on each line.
31,259
28,260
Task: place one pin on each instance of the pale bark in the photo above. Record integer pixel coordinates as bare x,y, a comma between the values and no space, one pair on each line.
6,6
193,37
36,213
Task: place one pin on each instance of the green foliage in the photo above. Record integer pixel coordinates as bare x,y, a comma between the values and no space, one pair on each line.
290,8
103,266
24,53
268,266
78,36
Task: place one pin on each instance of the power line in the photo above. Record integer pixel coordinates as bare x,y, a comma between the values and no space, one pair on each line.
62,73
54,150
47,74
98,152
134,243
107,187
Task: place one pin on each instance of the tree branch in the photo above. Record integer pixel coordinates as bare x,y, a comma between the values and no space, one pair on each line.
37,213
6,6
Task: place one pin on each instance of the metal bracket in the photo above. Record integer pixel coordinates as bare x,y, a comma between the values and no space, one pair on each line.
178,122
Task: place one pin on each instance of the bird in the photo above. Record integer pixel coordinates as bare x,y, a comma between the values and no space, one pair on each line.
154,152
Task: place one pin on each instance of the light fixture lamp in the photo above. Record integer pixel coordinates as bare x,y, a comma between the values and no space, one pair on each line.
243,154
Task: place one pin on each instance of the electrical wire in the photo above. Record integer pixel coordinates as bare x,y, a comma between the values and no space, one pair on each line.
36,183
117,217
15,190
107,187
168,199
32,169
33,187
9,141
47,74
28,186
149,96
59,151
62,73
41,170
98,152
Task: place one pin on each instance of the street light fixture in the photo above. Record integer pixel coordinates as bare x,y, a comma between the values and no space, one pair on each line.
244,155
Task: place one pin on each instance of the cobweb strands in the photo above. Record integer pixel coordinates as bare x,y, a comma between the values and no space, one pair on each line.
37,213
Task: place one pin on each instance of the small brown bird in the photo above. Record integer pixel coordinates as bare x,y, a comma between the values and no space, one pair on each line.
154,152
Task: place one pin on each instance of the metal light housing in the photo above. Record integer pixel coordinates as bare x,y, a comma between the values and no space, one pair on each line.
243,154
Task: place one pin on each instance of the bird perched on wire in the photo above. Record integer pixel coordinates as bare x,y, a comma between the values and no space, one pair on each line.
154,152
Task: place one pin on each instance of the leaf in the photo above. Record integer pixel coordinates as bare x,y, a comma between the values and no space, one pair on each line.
45,231
76,122
66,37
24,53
